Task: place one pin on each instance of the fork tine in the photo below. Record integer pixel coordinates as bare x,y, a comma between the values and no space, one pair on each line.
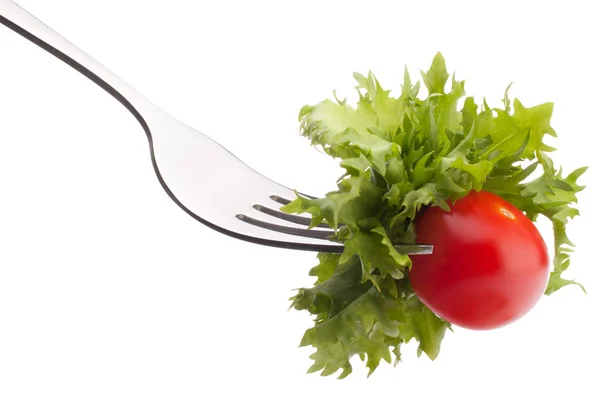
298,219
280,200
327,236
284,201
312,233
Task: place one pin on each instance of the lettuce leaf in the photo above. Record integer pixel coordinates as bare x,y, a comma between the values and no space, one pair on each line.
401,154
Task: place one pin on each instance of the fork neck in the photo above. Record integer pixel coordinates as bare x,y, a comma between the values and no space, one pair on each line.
32,29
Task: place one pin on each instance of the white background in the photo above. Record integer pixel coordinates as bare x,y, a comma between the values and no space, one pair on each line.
109,291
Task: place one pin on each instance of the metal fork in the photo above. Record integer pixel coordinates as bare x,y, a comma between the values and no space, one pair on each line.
197,173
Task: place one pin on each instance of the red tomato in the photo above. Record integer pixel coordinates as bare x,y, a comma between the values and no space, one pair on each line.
489,265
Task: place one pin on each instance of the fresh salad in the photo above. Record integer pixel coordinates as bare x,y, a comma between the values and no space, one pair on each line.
442,170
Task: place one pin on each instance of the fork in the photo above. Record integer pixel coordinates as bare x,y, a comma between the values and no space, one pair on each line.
195,171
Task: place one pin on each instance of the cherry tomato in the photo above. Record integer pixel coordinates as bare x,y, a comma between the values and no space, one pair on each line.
489,265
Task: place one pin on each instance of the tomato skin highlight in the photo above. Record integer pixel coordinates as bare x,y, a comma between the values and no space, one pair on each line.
489,265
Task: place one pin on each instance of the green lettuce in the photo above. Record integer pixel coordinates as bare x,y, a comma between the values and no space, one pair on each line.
401,154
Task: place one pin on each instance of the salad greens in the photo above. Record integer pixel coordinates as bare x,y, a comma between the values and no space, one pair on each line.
401,154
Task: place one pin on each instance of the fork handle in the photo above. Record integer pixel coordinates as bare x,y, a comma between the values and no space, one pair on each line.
32,29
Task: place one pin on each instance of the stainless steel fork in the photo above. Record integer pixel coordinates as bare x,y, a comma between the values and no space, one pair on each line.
199,175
